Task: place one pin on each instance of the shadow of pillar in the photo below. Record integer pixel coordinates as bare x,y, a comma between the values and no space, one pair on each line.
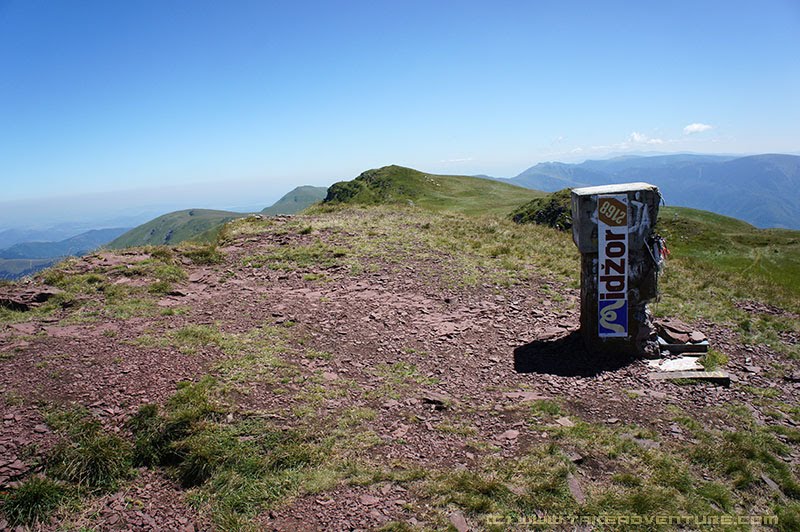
566,356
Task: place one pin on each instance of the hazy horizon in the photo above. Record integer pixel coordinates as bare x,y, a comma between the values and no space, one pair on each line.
128,207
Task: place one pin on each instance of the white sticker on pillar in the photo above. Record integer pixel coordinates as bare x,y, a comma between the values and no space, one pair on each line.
612,266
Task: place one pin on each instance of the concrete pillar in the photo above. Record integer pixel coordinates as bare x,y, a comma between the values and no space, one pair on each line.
612,226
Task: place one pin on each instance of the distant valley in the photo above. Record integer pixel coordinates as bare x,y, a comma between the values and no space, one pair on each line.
19,258
76,245
26,258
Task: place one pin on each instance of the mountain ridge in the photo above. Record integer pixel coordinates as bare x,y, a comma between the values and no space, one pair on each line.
761,189
73,246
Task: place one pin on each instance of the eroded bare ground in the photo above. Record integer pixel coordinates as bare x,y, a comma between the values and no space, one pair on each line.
422,379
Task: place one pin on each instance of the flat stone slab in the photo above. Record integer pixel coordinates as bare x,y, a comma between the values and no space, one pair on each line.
676,364
22,300
720,377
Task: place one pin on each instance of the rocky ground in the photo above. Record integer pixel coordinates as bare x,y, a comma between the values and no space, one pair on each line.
443,376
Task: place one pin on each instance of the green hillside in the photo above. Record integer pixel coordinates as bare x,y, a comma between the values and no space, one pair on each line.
204,224
297,200
399,185
719,265
753,261
174,228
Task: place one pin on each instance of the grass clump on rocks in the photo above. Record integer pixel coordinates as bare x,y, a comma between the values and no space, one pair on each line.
234,467
202,254
86,455
154,432
32,501
86,460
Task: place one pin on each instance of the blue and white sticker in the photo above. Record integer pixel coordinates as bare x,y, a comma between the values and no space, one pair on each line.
612,270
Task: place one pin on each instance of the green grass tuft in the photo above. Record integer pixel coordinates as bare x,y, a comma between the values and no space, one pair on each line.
34,500
202,254
718,494
290,258
788,517
86,455
191,337
546,406
713,359
235,468
743,455
533,485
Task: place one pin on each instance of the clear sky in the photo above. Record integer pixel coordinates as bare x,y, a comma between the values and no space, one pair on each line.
109,95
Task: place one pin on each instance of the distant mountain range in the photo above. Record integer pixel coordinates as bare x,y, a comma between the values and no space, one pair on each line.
9,237
26,258
77,245
761,189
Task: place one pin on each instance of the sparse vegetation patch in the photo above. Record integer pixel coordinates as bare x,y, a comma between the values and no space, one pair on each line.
86,460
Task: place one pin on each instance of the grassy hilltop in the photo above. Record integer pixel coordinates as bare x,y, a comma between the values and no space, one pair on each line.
296,200
397,185
173,228
203,225
358,365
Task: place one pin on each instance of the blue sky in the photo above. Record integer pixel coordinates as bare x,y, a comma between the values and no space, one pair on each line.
100,96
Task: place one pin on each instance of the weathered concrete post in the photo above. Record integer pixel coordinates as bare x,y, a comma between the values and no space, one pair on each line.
612,226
